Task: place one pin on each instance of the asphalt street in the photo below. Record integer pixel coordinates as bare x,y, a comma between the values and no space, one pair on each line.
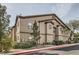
71,50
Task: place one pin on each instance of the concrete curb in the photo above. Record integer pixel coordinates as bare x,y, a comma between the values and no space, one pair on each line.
41,49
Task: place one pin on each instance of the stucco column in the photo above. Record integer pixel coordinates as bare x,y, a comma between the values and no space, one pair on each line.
39,30
57,32
45,32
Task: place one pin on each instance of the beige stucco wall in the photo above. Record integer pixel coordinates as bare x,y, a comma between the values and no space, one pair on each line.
24,22
24,27
24,36
42,39
12,34
18,30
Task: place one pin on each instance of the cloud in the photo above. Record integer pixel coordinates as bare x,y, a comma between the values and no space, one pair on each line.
61,9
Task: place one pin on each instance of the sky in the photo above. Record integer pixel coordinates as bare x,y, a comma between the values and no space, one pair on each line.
65,11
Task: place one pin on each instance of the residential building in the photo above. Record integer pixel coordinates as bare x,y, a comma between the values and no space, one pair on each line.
50,26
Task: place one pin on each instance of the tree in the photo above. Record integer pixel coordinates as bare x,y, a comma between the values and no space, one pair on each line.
7,44
4,23
73,25
35,32
76,35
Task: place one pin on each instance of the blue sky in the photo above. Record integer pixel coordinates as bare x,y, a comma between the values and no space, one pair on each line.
65,11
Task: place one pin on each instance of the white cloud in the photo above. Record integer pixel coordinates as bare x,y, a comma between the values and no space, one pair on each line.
61,9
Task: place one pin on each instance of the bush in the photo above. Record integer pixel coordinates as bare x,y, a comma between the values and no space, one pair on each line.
68,42
48,43
24,45
57,42
1,46
76,40
7,44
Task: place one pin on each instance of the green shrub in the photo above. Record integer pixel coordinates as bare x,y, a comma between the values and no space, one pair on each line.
48,43
57,42
7,44
68,42
24,45
17,45
1,46
76,40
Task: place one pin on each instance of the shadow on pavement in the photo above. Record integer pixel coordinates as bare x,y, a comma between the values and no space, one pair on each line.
76,47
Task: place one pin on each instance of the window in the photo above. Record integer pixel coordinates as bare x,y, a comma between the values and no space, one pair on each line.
29,25
30,38
61,29
54,29
50,26
18,39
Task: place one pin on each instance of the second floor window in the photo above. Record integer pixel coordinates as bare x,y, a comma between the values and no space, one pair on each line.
61,29
29,25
